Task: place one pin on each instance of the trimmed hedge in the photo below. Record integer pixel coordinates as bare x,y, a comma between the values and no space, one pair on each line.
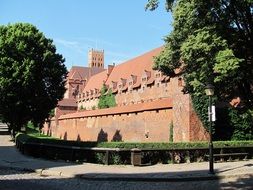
129,145
120,152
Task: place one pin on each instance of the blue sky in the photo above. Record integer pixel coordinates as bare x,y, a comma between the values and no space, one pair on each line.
121,27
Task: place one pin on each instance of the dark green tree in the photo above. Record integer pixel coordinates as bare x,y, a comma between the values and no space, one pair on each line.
107,99
32,75
211,41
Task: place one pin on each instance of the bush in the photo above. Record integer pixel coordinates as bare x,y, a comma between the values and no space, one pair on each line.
152,153
234,124
30,128
242,123
130,145
100,157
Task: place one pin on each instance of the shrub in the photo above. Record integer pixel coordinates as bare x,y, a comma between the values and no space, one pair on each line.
100,157
242,123
152,153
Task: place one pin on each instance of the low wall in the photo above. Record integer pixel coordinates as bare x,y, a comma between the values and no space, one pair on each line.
143,122
147,126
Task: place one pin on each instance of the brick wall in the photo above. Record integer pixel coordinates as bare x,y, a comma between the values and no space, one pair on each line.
147,126
143,94
88,104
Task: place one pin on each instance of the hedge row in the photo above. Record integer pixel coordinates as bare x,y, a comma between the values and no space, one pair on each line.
151,153
130,145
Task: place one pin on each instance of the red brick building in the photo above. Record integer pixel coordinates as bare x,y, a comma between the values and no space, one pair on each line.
150,106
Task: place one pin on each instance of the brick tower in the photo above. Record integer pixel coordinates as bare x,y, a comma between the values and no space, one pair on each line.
96,58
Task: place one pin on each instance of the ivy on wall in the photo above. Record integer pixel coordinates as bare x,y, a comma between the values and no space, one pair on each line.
107,98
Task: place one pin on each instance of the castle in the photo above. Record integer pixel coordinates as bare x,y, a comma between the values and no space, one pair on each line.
150,107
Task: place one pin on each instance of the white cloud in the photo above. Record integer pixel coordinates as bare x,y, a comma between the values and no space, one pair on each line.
97,43
74,45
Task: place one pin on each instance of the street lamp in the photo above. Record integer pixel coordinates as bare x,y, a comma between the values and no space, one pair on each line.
209,89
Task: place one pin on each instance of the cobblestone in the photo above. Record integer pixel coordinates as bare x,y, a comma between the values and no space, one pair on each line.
101,177
11,179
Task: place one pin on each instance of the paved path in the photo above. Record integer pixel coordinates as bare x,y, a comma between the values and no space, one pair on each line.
15,167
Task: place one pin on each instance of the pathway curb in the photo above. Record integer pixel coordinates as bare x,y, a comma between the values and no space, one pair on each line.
126,177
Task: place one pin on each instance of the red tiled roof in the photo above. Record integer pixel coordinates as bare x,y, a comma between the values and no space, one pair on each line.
67,102
96,81
135,66
146,106
77,72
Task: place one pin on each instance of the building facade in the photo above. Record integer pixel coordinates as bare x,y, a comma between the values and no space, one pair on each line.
150,107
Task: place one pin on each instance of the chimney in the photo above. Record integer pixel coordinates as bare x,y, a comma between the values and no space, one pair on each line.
110,68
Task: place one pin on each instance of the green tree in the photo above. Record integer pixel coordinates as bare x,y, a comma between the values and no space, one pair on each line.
211,41
107,99
32,75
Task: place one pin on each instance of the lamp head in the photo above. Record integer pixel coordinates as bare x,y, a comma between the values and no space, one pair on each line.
209,89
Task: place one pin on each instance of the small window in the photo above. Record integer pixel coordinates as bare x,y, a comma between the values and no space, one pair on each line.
180,82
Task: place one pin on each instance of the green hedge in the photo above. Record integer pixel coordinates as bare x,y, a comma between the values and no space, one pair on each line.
152,153
126,145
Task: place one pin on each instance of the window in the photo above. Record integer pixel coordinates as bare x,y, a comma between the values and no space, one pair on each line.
144,79
180,82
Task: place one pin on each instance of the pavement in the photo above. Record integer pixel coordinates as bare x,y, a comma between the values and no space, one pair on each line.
10,157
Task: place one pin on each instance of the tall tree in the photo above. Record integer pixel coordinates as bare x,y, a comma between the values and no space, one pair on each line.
211,41
32,75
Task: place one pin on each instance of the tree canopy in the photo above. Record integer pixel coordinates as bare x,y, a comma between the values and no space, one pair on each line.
32,75
211,42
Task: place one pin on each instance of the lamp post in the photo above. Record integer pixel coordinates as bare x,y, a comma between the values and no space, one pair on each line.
209,89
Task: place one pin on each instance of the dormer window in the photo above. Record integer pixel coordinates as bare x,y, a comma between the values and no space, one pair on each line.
144,79
145,76
114,85
133,79
157,75
122,82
